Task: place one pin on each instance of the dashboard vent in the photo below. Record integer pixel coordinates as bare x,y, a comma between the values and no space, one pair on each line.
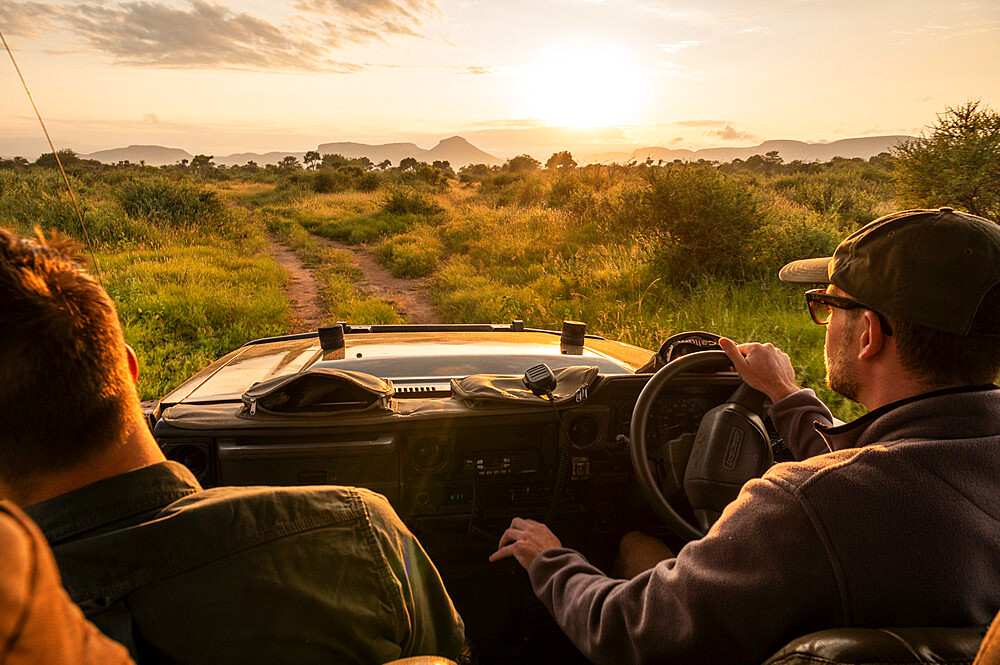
423,390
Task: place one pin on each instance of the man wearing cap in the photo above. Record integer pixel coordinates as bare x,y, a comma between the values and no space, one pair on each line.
890,520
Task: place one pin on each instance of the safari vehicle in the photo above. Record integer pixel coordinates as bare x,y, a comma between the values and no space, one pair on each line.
463,427
437,419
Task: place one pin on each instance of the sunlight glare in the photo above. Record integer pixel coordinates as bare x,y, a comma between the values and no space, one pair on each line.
581,85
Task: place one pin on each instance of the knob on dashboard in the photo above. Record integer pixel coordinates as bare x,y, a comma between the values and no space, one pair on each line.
428,453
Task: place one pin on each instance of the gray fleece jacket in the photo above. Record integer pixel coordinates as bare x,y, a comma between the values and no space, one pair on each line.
893,520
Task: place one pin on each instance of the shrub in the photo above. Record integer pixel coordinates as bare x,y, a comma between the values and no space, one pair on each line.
409,202
175,204
329,181
368,182
411,256
700,219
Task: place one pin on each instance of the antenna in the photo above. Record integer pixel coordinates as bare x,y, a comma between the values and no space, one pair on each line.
69,188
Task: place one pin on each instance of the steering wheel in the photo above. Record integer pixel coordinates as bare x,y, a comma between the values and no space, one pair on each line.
730,448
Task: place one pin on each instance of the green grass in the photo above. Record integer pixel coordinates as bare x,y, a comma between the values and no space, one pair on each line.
188,288
184,306
192,279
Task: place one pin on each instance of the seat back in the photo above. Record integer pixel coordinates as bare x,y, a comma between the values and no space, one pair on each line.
871,646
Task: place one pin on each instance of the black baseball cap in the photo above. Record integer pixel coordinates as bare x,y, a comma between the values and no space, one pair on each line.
928,267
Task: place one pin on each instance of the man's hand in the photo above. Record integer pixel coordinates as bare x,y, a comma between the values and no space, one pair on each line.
524,540
763,367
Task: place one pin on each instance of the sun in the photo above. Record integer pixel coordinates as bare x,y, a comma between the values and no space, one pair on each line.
581,84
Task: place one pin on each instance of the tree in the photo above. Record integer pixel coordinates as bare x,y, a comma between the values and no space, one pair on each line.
384,164
444,166
408,163
521,164
67,156
560,160
954,162
289,162
310,159
14,163
202,162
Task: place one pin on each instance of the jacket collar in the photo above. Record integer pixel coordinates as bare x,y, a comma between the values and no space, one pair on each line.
112,500
942,414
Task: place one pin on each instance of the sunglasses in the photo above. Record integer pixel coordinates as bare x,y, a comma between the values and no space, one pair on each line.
821,305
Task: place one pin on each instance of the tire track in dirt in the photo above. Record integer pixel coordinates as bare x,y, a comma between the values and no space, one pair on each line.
302,290
408,296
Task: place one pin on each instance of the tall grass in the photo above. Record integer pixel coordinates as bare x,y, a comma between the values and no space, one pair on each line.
614,246
190,277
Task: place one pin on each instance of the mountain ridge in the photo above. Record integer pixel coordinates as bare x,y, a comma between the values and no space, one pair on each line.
459,152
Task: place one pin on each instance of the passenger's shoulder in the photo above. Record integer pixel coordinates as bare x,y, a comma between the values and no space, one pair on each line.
334,502
18,542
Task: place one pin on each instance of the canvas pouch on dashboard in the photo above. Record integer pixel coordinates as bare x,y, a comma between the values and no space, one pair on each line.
319,391
572,384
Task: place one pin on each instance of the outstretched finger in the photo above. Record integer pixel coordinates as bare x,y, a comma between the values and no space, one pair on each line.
503,553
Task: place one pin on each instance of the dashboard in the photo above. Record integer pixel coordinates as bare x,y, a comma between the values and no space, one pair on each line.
458,480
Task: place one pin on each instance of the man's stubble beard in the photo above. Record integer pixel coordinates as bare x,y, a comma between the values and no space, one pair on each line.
840,375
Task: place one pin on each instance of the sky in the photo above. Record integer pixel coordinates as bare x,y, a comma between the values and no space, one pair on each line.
511,76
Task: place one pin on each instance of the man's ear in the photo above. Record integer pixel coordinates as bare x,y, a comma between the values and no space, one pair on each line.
872,338
133,363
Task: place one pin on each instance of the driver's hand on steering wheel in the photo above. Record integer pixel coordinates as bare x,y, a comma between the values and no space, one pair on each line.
524,540
762,367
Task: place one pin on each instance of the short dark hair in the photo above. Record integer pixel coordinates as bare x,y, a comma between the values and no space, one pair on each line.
943,358
65,389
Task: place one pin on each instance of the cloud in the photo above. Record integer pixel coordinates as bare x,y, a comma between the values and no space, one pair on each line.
204,35
369,20
151,117
730,134
959,30
700,123
25,19
479,70
675,47
676,140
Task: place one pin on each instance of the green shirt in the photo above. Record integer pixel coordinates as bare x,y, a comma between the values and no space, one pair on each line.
247,575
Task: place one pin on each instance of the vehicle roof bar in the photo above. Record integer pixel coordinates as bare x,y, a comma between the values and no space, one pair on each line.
517,325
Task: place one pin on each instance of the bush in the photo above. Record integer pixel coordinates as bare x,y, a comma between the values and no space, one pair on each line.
700,219
409,202
329,181
368,182
175,204
411,256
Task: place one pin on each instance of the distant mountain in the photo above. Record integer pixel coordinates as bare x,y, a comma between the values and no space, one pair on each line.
394,152
458,152
153,155
455,150
789,150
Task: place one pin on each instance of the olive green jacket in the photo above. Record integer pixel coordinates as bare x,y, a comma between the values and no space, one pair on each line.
247,574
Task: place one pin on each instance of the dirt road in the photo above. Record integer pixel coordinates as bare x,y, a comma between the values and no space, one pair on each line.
302,290
408,296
